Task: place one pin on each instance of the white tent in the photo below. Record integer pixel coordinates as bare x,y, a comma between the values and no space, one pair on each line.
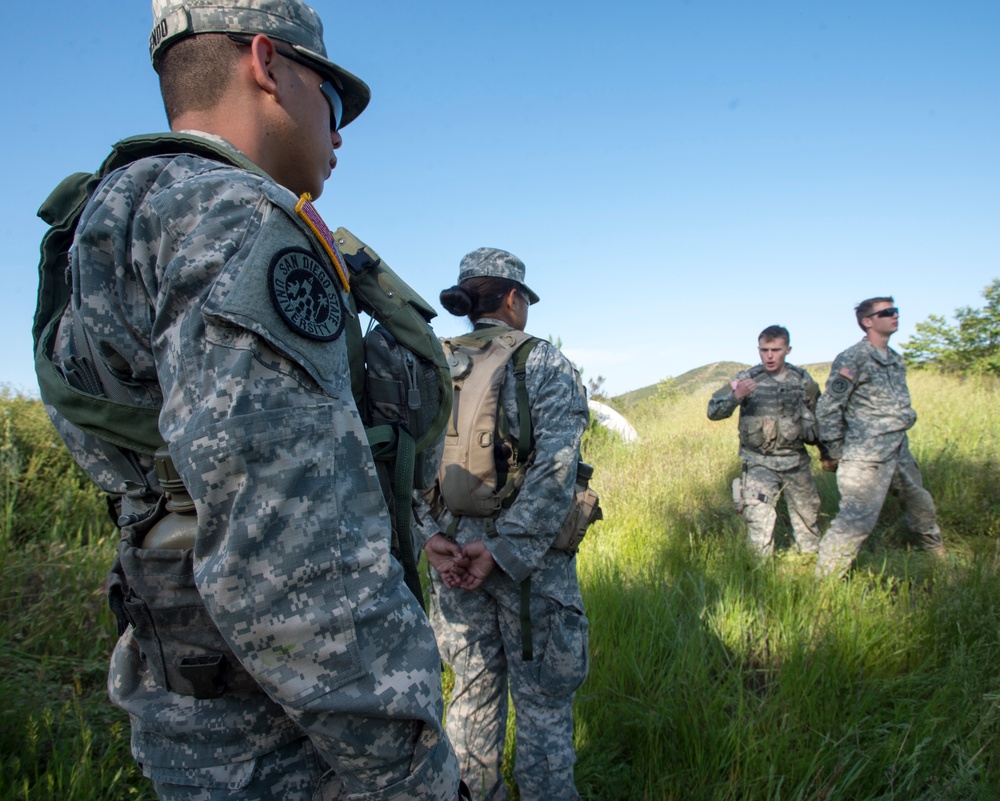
612,420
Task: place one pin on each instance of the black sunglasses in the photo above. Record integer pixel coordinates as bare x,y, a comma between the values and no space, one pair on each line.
892,311
328,89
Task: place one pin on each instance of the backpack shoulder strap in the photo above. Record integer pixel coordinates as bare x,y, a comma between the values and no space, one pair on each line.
523,408
147,146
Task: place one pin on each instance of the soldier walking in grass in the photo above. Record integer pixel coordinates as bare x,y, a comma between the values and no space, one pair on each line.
777,401
863,419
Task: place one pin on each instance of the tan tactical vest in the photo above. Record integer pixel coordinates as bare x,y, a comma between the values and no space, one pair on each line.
776,418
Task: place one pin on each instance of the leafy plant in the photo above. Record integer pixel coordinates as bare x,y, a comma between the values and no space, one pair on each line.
972,345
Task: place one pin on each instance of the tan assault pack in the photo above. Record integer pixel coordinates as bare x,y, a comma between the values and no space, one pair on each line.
484,464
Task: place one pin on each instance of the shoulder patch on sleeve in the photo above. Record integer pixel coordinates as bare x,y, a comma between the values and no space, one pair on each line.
846,372
305,295
307,211
839,387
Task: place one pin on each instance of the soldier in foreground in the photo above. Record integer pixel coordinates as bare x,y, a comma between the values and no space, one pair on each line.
863,419
777,402
208,290
516,621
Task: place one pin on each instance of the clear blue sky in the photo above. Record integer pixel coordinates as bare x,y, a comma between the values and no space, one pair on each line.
676,174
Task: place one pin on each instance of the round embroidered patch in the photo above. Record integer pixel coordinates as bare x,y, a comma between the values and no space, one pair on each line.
306,295
839,386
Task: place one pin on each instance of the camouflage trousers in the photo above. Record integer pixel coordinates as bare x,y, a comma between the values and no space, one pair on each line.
863,487
762,487
480,637
293,772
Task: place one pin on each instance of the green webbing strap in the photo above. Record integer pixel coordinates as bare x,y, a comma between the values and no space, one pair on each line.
523,409
526,651
387,441
381,440
524,415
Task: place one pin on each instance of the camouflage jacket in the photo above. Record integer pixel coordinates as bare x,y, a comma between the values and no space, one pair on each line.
776,420
196,280
865,412
559,415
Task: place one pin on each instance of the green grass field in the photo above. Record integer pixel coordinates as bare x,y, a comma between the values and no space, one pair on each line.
713,677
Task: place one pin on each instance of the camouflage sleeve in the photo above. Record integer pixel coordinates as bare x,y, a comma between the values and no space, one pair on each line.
430,517
559,415
812,390
812,399
831,405
292,553
723,402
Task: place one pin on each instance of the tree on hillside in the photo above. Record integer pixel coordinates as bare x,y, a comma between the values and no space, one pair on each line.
972,345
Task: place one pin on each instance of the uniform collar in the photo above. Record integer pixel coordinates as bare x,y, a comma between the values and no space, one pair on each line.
489,322
891,357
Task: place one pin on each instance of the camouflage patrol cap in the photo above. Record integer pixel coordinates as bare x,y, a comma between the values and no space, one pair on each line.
291,21
494,263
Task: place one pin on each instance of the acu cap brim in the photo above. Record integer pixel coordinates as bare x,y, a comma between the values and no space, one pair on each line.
494,263
290,21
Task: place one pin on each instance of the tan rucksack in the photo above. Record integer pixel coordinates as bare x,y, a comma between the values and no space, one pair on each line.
483,465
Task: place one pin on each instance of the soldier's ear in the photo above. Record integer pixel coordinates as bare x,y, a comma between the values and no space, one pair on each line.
263,58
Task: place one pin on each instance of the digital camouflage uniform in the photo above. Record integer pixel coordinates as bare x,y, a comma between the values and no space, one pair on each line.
479,631
863,419
199,283
776,420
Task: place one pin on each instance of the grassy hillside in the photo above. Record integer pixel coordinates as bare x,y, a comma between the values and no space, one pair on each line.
713,677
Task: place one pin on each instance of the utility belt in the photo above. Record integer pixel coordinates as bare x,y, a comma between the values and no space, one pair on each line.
151,588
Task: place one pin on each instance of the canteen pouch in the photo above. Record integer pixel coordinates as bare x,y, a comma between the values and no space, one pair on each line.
585,511
153,590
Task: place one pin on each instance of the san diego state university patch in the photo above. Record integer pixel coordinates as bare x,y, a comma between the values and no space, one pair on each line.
306,295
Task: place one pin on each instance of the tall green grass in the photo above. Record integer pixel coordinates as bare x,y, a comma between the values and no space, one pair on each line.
714,677
60,738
